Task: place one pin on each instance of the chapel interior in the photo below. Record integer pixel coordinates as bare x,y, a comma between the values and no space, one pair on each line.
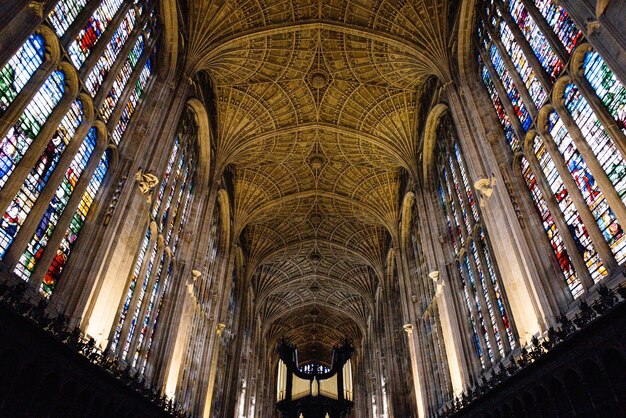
312,208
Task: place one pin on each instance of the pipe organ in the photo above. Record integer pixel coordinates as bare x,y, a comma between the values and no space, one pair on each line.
313,390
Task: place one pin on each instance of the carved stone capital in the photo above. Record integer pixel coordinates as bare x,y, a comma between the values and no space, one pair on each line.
220,328
146,182
408,328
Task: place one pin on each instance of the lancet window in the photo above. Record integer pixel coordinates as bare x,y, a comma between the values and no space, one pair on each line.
564,124
155,261
49,194
490,331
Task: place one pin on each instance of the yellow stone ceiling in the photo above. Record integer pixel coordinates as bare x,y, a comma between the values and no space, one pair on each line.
317,104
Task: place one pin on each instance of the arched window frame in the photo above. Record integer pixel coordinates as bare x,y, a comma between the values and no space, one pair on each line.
567,47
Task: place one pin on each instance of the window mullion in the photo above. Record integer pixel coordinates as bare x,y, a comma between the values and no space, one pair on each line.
130,85
611,195
473,311
579,202
81,20
64,221
519,83
139,281
484,309
103,41
529,54
555,42
107,83
582,272
157,268
30,224
504,97
607,120
504,337
32,154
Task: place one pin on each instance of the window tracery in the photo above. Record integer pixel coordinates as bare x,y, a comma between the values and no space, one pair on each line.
574,141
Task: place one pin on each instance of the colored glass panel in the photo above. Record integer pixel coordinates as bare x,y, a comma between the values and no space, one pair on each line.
572,218
25,130
466,185
509,133
37,244
537,40
20,68
110,101
132,103
107,59
166,176
561,23
78,220
475,301
552,231
607,87
593,196
510,88
64,14
523,67
600,143
131,289
80,48
25,199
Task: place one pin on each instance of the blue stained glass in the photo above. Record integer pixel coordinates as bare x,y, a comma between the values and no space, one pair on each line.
475,301
131,290
144,76
35,248
508,84
538,42
166,176
36,180
561,23
20,68
110,101
25,130
523,67
572,218
552,231
509,133
78,220
107,59
600,143
593,196
64,14
607,87
80,48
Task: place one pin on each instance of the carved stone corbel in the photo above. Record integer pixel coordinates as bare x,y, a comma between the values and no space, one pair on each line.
146,182
484,188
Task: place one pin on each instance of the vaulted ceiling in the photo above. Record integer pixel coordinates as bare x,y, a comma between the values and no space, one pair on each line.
317,108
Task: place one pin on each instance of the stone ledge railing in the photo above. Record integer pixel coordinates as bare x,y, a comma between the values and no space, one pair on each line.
586,315
21,300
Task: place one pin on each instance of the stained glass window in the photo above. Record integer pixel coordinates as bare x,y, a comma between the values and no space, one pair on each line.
37,179
537,40
81,46
561,23
572,217
64,14
593,196
107,59
128,111
607,87
47,224
523,67
552,231
508,84
600,142
78,220
131,289
122,78
20,69
484,302
25,130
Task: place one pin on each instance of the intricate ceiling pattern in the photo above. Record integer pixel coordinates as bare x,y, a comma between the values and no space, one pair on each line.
317,114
